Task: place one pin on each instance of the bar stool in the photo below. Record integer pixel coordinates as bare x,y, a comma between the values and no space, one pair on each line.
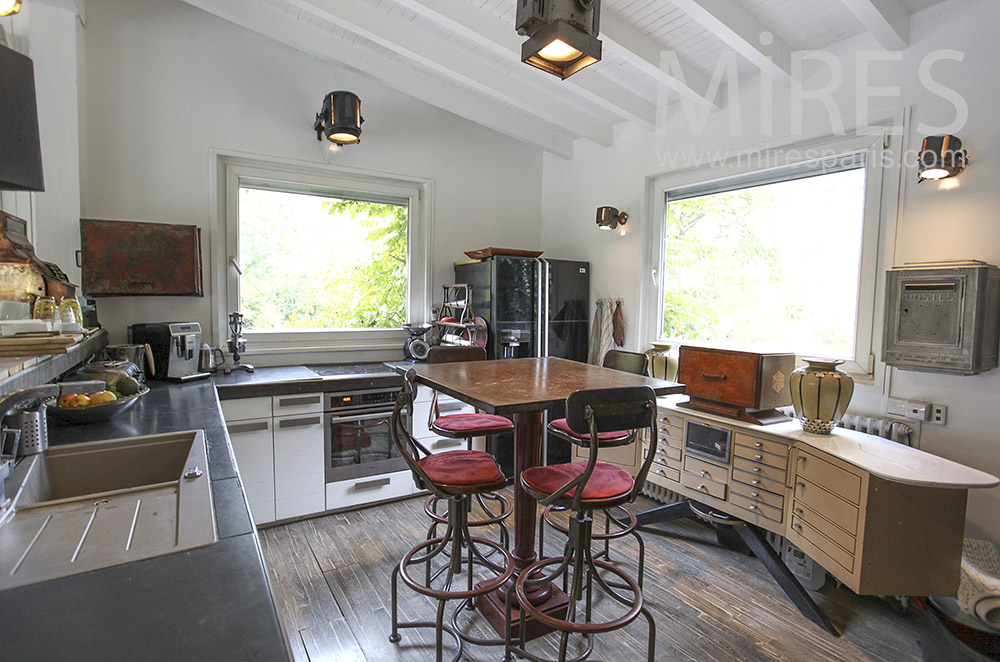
447,559
467,426
584,487
626,523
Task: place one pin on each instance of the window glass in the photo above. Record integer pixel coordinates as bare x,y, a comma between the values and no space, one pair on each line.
316,260
774,265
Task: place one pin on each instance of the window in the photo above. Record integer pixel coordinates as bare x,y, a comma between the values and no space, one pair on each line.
773,257
322,259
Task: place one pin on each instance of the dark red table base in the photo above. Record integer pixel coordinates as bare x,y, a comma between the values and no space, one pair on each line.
491,605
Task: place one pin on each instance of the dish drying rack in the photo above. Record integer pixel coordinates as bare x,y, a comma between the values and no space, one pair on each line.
467,329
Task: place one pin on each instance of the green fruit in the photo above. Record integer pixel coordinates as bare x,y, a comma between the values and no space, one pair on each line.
127,386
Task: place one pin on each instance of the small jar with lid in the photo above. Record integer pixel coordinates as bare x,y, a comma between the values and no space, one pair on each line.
70,311
45,309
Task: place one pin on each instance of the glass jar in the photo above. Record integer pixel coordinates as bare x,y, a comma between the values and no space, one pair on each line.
75,312
45,308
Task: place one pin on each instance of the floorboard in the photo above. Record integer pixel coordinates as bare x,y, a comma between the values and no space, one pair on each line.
711,604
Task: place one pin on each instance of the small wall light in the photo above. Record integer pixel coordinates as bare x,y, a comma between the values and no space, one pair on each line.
609,218
340,119
562,35
941,157
8,7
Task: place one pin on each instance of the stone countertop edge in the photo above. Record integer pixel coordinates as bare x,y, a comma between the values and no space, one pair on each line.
289,380
212,603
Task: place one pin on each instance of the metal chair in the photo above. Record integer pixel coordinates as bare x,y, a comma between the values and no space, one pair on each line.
584,487
450,561
467,426
625,524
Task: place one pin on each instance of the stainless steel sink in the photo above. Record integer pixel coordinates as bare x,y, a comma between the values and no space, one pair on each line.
86,506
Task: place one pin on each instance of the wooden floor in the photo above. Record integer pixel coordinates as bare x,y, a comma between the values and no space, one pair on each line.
331,578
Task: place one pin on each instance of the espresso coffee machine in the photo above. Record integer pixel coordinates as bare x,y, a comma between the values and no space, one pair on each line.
175,347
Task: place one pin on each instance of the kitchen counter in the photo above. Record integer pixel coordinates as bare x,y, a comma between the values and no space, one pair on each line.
212,603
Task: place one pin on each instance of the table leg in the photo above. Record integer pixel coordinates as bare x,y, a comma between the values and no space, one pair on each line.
527,454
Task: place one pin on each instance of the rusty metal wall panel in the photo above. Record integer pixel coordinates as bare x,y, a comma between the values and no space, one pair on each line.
123,258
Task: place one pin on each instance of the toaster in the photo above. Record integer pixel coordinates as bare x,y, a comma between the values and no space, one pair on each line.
175,347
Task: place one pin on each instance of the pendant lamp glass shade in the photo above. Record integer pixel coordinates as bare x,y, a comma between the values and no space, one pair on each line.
20,148
941,157
561,49
340,119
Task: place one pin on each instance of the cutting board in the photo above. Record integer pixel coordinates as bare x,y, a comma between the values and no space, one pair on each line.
28,346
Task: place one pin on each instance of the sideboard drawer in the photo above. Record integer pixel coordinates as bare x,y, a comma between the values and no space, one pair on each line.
703,485
834,508
754,455
706,470
762,470
837,480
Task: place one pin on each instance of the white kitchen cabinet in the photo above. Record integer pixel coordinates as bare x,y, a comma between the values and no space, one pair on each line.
299,477
253,446
446,405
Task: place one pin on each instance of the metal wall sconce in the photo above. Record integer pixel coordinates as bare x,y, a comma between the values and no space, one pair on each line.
562,34
340,119
941,157
8,7
609,218
20,148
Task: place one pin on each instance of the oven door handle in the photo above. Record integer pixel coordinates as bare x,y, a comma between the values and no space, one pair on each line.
363,417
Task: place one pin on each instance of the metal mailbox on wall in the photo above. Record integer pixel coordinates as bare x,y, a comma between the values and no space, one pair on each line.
942,317
124,258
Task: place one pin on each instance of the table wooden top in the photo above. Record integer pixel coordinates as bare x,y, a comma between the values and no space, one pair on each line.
510,386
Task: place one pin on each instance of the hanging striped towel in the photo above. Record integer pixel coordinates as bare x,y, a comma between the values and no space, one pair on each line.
600,335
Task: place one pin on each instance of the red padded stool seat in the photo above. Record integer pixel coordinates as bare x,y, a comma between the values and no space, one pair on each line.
561,426
458,468
608,482
471,425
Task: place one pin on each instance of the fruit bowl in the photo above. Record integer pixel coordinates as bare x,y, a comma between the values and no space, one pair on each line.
104,411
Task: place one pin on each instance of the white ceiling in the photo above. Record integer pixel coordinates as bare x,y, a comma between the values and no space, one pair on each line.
464,55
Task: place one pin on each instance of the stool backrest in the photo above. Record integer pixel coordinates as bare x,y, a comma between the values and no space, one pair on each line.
626,361
455,353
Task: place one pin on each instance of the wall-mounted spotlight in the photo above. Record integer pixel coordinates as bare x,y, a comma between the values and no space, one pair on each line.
609,218
562,34
941,157
8,7
340,119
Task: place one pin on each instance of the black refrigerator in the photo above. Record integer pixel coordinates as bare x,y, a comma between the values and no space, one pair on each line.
532,307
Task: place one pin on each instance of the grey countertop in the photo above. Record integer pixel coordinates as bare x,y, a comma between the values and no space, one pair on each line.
212,603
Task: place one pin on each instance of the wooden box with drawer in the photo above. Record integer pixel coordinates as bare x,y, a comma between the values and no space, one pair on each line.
744,385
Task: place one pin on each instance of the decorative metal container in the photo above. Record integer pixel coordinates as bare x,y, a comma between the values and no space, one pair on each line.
820,394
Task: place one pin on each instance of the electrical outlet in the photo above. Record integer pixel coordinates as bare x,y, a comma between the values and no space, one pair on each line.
896,407
917,411
939,414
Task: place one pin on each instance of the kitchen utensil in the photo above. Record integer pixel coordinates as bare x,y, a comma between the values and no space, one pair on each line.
104,411
109,371
34,430
140,355
210,359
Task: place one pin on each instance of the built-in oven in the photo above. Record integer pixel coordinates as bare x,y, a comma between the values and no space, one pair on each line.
708,441
357,439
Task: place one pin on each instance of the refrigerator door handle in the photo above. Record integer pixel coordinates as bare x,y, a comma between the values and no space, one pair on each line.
542,310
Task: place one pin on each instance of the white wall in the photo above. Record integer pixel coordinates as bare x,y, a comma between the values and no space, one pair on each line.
936,220
166,83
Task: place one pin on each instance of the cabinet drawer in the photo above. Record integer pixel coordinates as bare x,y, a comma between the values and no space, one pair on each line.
838,480
824,526
702,485
669,440
761,457
442,444
752,493
755,506
664,453
243,409
670,419
297,506
262,511
300,403
356,491
705,470
812,538
664,461
422,412
834,508
765,445
664,476
757,481
300,486
623,456
763,470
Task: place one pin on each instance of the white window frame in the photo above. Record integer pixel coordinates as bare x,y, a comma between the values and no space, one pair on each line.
883,146
234,170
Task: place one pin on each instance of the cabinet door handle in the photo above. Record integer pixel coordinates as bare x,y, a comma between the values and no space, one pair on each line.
239,428
298,402
371,484
299,422
711,377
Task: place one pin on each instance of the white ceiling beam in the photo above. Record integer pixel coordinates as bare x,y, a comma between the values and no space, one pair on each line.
318,43
744,33
645,53
499,36
887,20
456,63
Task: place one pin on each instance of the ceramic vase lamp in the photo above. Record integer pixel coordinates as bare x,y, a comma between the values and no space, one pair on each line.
820,394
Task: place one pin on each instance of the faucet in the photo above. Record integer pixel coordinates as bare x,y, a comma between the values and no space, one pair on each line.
15,401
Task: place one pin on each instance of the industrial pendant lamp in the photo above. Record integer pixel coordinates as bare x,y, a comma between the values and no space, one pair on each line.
8,7
562,34
20,148
340,119
941,157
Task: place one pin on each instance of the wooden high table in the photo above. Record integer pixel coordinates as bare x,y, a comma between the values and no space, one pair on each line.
524,389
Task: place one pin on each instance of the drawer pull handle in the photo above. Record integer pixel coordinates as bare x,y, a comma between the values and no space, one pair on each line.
238,428
752,507
797,527
298,402
299,422
714,378
704,474
755,481
371,484
758,457
445,443
758,444
756,470
798,511
755,494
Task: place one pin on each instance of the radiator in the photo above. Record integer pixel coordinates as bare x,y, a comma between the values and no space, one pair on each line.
897,431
